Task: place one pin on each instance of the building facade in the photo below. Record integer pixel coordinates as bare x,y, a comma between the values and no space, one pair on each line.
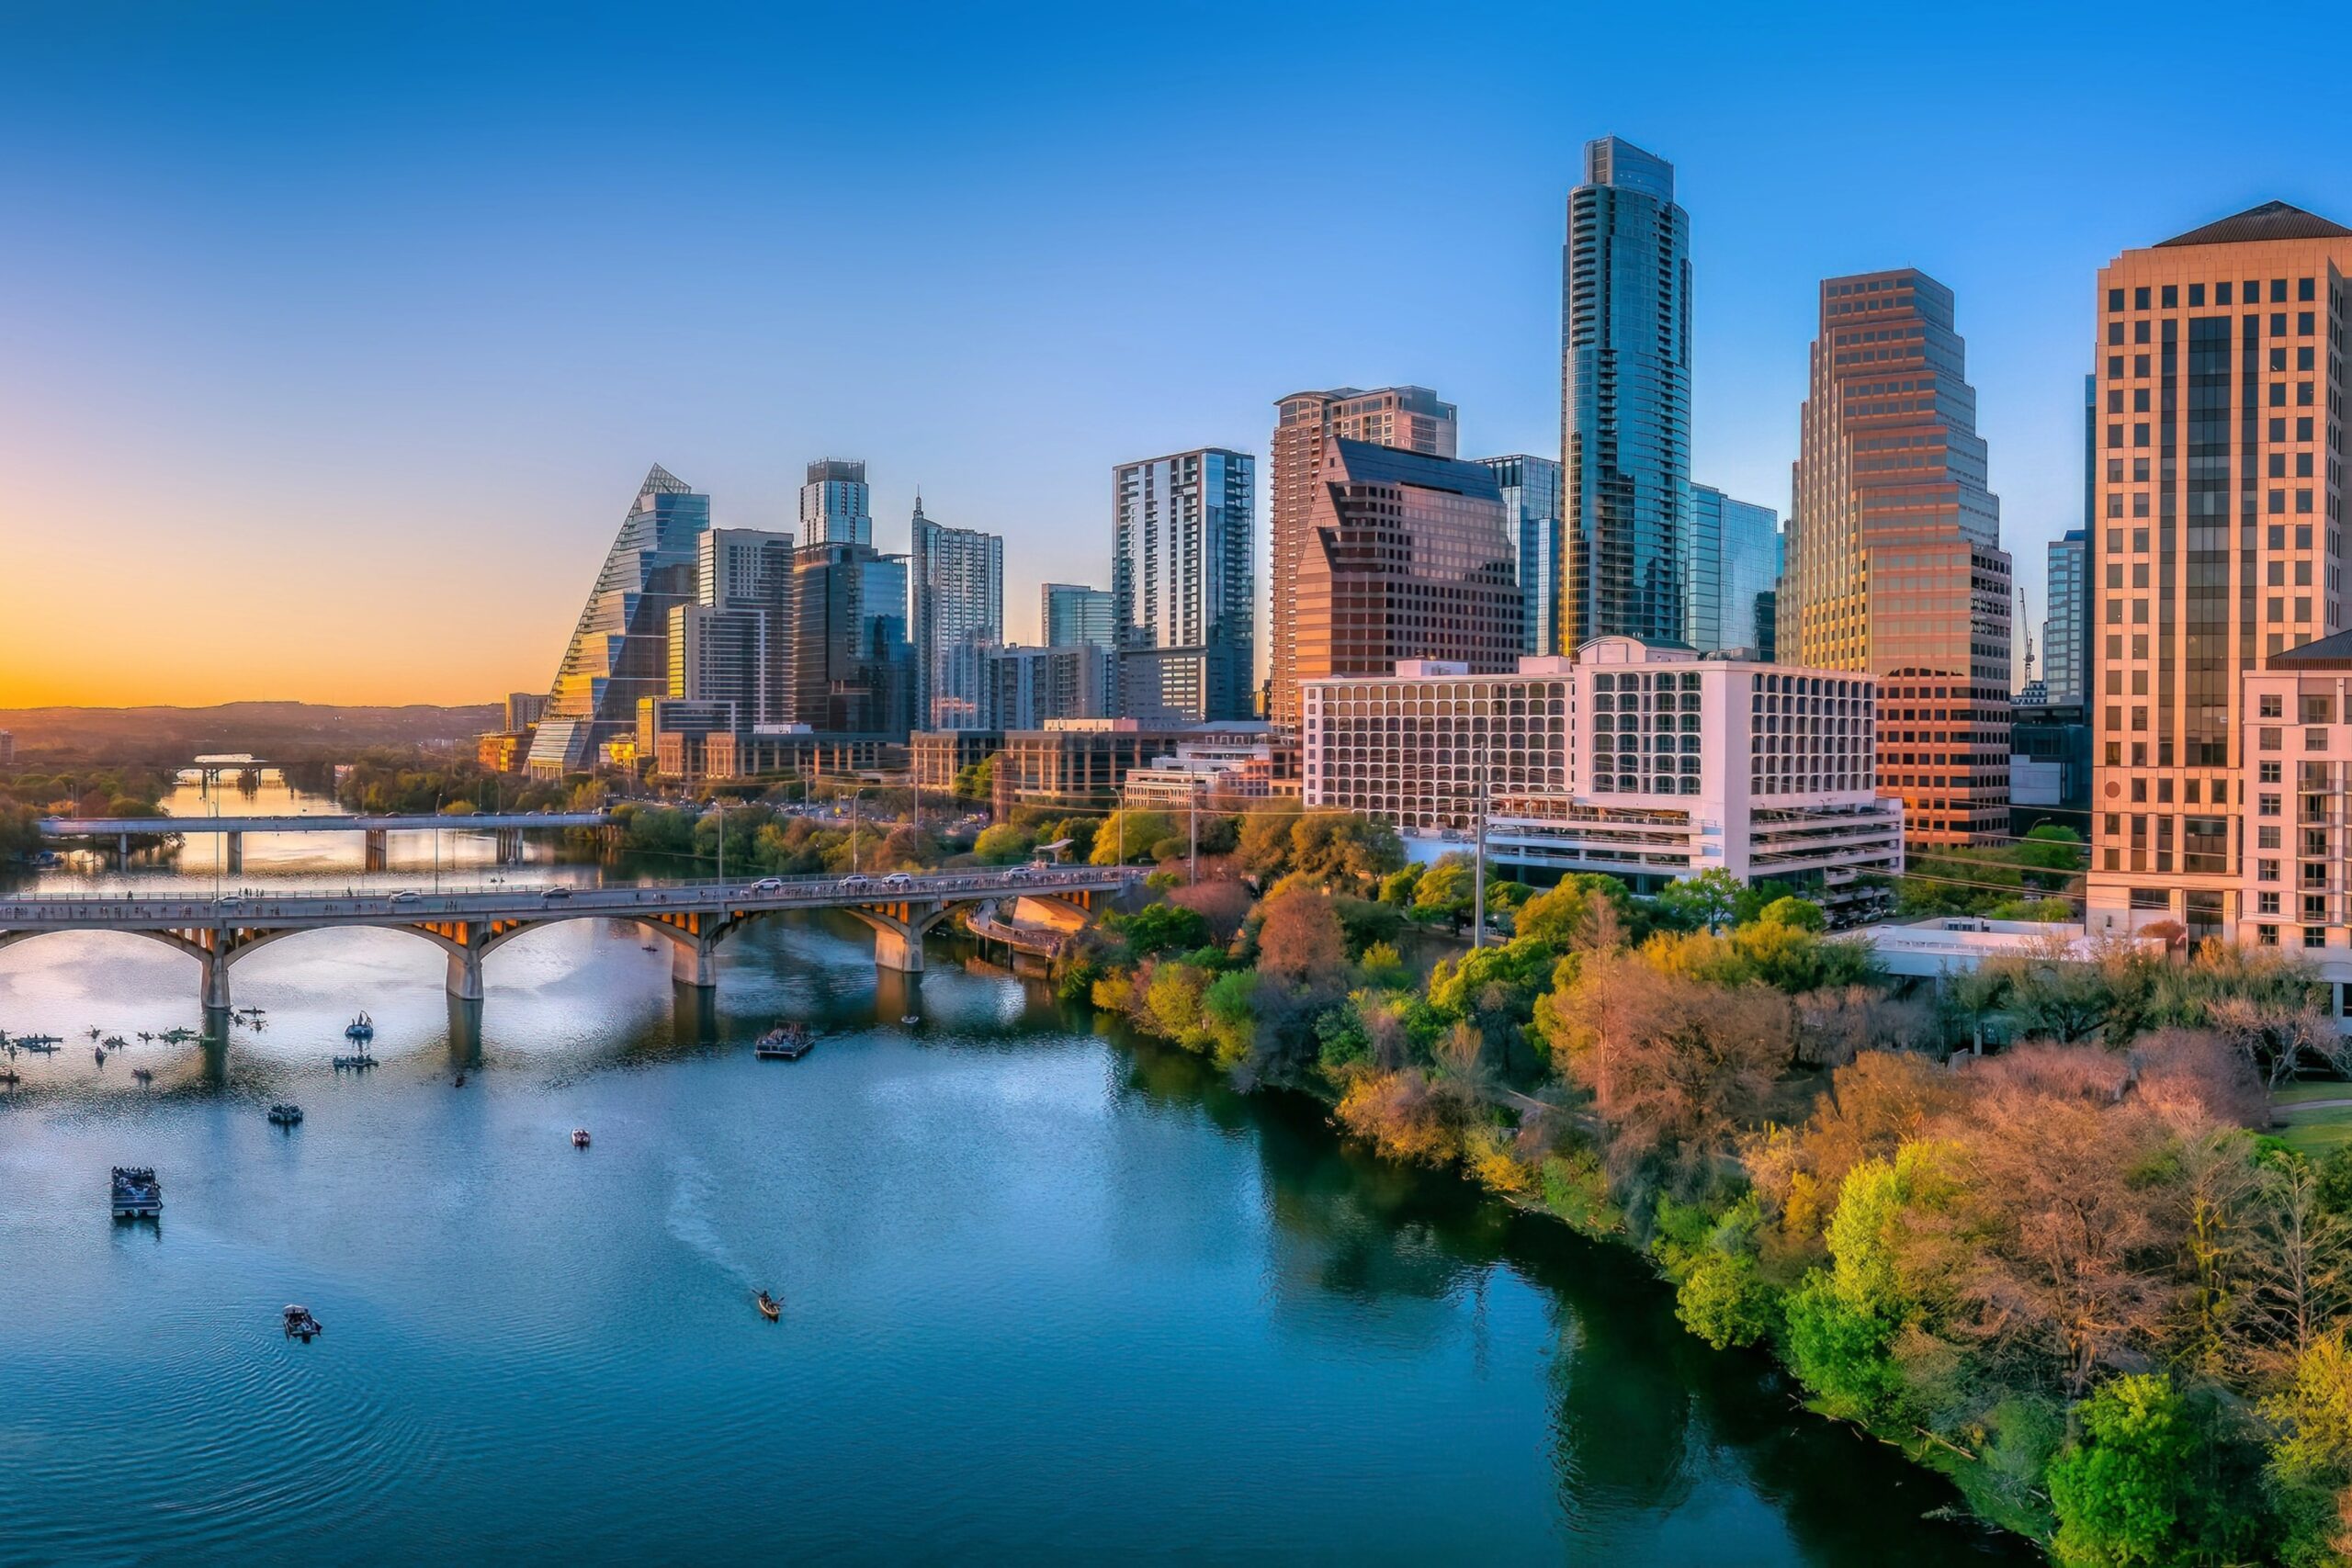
956,617
1070,613
1894,564
1644,762
1625,402
834,506
1183,584
1084,762
2218,546
853,667
1735,563
1406,557
2067,622
1024,688
1533,522
619,652
525,709
1411,419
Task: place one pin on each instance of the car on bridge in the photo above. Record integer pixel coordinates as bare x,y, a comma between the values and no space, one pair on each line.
768,885
553,894
406,896
854,882
898,879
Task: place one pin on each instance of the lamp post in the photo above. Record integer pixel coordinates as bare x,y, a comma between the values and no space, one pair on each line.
854,801
721,802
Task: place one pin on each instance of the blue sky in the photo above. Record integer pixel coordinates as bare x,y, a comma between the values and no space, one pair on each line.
340,335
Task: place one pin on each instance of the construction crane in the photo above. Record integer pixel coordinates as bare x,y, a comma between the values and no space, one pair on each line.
2028,624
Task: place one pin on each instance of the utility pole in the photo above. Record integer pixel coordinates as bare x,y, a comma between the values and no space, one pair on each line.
1478,874
1193,872
721,802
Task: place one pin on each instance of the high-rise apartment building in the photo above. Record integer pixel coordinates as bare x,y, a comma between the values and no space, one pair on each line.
1736,561
1026,686
1625,402
735,643
1405,558
525,709
1533,522
1408,418
620,651
2067,622
957,615
1895,561
7,749
1183,584
1069,614
2218,545
834,507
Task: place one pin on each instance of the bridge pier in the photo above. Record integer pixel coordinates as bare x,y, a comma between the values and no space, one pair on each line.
465,975
377,853
216,982
694,963
234,856
897,949
510,845
122,849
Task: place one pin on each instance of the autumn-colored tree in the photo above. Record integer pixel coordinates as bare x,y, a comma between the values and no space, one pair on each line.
1876,1103
1224,905
1300,941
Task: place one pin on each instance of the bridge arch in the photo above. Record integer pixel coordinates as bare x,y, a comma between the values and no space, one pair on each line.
172,940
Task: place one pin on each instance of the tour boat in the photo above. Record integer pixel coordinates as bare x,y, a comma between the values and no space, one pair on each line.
136,1194
46,1044
301,1324
784,1043
361,1028
116,1043
361,1060
284,1115
580,1137
770,1308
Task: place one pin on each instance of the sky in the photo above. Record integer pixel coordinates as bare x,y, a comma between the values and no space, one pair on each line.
338,338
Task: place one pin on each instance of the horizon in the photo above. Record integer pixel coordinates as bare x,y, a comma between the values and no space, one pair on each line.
373,321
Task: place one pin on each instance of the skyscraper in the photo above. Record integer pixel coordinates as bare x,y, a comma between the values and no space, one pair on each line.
1408,418
620,651
733,644
834,509
956,615
1183,585
1530,488
852,670
2218,546
2063,665
1625,402
1070,614
1895,563
1405,558
1736,558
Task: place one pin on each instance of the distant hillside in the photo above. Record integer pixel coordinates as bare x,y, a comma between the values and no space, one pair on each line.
267,729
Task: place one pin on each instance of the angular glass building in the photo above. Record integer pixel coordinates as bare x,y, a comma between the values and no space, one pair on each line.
957,615
854,673
2063,648
1530,488
1070,614
620,651
1625,402
1737,559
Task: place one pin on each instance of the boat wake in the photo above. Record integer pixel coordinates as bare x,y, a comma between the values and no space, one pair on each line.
688,1221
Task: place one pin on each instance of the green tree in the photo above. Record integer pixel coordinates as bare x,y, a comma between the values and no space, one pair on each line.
2121,1488
1444,892
1002,844
1134,831
1704,902
1160,928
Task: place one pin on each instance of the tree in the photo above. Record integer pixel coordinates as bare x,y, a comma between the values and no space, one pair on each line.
2120,1489
2311,1456
1134,831
1299,940
1704,902
1161,927
1344,850
1224,905
1443,891
1265,847
1002,844
1581,912
976,781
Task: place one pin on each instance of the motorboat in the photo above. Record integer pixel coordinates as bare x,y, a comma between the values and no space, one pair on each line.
101,1055
580,1137
458,1082
770,1308
910,1020
362,1028
136,1194
784,1043
301,1324
285,1115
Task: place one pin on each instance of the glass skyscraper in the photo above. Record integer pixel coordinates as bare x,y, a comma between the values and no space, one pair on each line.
1738,557
620,651
1070,614
1625,402
2063,634
834,509
1530,488
1184,584
853,669
957,614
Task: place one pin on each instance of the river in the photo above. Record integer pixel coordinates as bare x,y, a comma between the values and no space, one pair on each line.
1049,1292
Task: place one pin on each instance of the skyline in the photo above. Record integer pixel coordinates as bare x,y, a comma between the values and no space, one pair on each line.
268,385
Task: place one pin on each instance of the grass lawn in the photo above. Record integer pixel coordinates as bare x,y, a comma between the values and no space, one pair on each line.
2313,1129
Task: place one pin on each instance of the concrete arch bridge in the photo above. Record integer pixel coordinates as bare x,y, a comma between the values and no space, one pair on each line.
468,926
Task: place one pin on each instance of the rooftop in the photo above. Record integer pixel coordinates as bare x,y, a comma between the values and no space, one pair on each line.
2331,652
2271,221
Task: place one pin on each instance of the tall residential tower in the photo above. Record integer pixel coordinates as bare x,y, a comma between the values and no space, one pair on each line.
957,615
1894,558
1530,488
834,509
1625,402
1183,588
